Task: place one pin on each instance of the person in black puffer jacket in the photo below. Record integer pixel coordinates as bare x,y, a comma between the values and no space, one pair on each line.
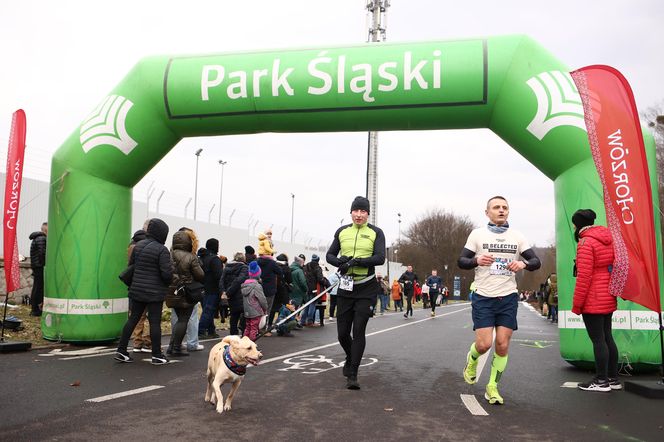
270,271
153,273
283,287
212,267
234,274
141,334
37,263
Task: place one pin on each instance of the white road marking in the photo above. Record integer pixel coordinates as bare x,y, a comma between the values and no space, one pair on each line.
470,401
86,351
407,324
570,385
109,397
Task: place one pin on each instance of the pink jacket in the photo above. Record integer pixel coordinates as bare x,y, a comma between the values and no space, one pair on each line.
594,255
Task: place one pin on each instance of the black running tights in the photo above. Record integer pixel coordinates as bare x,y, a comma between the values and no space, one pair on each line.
353,314
604,347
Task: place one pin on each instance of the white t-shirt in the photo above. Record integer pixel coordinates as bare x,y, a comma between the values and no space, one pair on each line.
496,280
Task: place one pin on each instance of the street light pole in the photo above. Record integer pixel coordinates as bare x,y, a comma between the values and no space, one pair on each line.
221,187
291,216
198,155
399,241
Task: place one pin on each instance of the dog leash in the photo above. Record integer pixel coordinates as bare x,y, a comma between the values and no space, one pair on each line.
283,321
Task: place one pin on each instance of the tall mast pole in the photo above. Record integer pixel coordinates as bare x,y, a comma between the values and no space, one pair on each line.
376,33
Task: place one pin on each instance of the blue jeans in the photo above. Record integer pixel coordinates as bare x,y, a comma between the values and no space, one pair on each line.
192,327
210,306
308,314
384,303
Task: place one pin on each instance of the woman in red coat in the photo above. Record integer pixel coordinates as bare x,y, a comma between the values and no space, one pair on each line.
594,261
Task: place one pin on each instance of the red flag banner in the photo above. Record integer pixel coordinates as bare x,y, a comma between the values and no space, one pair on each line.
12,199
616,142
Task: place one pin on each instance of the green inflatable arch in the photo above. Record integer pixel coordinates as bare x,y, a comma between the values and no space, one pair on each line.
508,84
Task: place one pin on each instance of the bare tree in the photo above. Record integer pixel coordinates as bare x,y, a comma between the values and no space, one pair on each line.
532,280
434,241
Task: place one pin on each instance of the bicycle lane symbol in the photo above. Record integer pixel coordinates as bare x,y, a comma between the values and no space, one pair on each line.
316,364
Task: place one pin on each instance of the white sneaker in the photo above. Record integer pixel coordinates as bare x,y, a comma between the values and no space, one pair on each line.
199,347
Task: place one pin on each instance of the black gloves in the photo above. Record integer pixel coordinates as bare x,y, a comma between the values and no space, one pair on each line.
344,259
343,268
350,262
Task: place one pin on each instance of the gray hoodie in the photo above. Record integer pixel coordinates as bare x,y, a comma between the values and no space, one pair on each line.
253,299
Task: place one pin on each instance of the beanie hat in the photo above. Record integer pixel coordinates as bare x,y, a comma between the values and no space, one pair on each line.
583,218
249,250
302,257
360,203
212,245
315,258
254,270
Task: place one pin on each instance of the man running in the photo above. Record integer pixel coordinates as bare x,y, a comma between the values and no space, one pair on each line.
361,247
408,279
435,286
496,252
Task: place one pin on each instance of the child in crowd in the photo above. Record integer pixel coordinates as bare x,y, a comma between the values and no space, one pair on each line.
285,328
397,291
265,244
253,300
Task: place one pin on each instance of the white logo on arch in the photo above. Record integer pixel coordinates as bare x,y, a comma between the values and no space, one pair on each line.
106,126
558,103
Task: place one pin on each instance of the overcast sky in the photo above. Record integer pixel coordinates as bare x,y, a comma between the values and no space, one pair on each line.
60,59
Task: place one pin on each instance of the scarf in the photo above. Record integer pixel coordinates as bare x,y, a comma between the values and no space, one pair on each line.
498,229
233,366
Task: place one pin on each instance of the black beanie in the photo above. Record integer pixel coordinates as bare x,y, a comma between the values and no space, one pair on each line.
360,203
583,218
249,250
212,245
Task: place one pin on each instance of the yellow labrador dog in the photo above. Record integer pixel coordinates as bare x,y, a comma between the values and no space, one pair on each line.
227,363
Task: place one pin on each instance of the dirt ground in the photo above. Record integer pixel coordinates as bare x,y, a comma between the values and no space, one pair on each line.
30,329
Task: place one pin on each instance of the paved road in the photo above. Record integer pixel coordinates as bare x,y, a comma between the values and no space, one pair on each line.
412,389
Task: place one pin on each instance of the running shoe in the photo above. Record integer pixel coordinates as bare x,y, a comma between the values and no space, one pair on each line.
146,350
433,314
492,395
346,369
159,360
136,349
470,370
615,384
351,383
123,357
595,385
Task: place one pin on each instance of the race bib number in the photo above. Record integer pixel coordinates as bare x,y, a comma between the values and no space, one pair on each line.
499,267
346,283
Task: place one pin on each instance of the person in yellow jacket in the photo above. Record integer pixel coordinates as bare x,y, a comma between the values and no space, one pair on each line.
265,245
356,250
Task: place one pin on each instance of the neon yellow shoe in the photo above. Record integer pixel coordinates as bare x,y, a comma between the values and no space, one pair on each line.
470,371
492,395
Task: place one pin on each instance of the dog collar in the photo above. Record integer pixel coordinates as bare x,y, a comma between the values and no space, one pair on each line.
233,366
